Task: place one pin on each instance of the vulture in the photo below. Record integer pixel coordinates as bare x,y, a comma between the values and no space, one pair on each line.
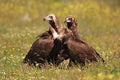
60,34
79,51
47,47
44,45
74,48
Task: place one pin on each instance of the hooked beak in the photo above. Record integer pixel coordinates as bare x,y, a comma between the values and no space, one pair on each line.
47,18
67,21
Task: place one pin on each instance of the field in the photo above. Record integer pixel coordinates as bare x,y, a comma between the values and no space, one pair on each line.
21,21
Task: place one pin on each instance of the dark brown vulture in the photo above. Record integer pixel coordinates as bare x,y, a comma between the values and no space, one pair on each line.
77,49
44,48
60,35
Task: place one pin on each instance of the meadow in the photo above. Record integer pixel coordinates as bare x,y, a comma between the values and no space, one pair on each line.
21,21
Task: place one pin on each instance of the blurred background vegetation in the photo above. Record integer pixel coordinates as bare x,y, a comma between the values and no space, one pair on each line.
89,12
22,20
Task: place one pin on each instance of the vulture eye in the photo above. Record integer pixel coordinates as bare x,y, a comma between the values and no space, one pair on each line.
71,19
51,17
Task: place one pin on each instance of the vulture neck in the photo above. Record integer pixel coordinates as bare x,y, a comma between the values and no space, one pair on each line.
54,33
55,25
73,28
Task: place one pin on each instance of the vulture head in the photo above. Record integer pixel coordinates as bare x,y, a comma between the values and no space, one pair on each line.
53,21
71,22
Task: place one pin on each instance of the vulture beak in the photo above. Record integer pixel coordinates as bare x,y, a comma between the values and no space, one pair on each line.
47,18
67,20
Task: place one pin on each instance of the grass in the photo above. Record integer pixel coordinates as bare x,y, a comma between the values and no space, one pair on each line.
98,25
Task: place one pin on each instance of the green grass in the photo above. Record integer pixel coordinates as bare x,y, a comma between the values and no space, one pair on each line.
21,22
